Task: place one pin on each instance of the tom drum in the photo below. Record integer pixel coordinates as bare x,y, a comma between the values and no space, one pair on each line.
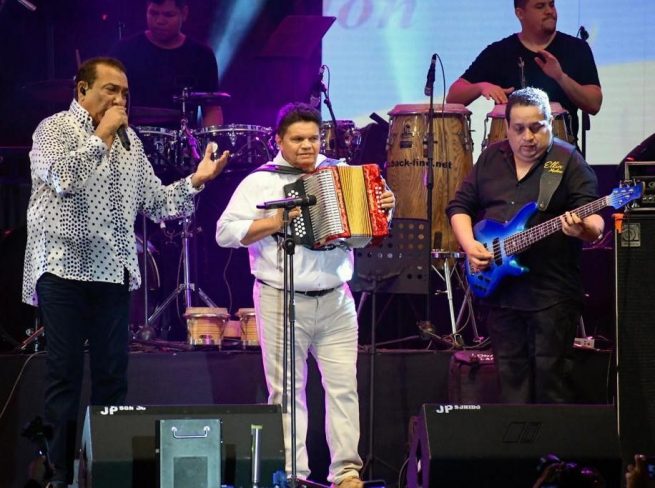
159,144
348,143
249,145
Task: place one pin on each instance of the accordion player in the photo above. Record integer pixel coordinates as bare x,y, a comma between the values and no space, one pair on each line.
347,207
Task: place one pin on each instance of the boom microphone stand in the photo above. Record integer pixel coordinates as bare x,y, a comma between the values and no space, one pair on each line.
429,185
289,315
337,139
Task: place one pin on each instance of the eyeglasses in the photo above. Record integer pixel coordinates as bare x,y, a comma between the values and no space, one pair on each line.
535,127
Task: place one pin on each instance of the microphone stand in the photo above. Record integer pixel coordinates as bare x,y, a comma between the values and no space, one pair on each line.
429,185
337,139
289,337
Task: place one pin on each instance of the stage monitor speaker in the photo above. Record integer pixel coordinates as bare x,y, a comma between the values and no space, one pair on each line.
635,332
119,444
500,445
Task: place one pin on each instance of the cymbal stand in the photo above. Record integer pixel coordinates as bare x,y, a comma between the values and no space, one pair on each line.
337,138
146,330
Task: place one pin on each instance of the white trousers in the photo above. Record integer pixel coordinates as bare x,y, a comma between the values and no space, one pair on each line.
327,327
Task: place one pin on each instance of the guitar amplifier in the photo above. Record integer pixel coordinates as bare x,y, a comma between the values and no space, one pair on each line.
642,172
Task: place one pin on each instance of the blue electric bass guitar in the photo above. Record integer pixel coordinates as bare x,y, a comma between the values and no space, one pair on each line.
505,241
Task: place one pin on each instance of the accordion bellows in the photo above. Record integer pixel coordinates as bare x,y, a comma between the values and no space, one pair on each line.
347,206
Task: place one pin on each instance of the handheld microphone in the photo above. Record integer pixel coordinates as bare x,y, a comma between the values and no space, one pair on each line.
291,202
121,132
430,78
317,89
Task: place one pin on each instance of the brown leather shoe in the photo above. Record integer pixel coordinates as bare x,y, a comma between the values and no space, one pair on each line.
352,482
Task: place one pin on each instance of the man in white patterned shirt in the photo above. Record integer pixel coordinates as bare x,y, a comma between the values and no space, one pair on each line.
80,260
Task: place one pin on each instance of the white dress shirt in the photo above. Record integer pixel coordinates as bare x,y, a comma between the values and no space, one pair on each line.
85,199
314,270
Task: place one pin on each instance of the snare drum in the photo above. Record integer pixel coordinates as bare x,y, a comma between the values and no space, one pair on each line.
406,163
249,337
249,145
350,139
498,128
159,144
206,325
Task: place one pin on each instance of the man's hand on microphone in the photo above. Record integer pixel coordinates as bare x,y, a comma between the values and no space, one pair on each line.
114,117
209,168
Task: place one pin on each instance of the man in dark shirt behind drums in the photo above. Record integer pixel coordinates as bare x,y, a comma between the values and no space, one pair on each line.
538,56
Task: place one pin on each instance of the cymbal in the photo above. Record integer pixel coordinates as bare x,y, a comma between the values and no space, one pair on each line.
208,98
52,91
153,115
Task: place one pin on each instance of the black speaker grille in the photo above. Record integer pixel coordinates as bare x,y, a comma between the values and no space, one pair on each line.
635,332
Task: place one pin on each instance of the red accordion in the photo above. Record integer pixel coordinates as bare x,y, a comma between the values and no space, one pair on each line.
347,206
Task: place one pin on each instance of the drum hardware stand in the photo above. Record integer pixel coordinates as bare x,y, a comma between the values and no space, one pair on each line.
145,331
34,334
186,287
446,276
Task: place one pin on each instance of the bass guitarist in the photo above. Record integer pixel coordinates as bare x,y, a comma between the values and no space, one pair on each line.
533,315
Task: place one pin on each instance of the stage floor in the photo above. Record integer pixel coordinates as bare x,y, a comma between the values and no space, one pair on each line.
405,379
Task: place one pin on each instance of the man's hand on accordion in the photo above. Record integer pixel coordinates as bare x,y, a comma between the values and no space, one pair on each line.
388,202
293,213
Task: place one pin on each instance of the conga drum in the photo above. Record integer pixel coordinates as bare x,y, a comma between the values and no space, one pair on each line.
206,325
407,162
498,130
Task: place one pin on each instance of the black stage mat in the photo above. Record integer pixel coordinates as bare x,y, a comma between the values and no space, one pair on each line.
405,379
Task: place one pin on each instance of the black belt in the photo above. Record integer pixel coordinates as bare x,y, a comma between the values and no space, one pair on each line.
311,293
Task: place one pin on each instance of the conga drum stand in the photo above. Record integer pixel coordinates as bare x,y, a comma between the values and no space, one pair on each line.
446,274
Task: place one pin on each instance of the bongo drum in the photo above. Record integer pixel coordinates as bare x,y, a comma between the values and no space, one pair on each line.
206,325
407,161
498,130
249,337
